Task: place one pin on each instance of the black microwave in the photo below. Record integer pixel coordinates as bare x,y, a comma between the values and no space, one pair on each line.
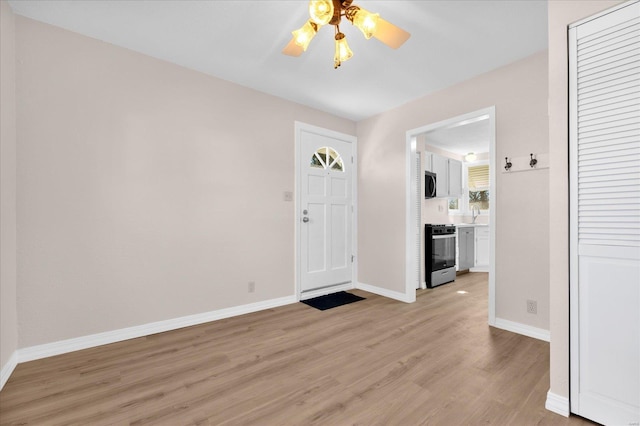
429,185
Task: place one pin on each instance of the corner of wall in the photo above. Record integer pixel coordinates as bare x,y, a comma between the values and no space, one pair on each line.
7,369
8,276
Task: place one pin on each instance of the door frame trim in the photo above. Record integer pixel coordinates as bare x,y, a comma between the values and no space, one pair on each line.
411,210
299,127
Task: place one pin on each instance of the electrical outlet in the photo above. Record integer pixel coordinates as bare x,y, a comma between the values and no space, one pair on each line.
287,196
252,286
532,306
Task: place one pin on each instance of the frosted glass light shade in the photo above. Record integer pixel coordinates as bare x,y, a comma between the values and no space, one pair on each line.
321,11
470,157
366,22
305,34
343,52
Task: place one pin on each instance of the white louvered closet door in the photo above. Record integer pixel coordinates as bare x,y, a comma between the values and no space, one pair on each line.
605,216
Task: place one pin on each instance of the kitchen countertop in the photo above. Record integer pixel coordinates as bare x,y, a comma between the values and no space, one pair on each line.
463,225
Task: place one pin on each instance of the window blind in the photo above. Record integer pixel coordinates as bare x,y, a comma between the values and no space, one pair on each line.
478,177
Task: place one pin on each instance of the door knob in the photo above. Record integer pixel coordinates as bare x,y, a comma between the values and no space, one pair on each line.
305,219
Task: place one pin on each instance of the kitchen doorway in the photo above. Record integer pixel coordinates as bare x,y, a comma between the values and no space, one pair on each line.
415,195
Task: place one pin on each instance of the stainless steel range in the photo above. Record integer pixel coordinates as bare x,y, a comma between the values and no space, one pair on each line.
440,254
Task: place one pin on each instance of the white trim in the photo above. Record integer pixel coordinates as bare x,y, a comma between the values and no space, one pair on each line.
492,216
574,330
412,280
298,128
402,297
410,219
604,12
524,329
558,404
326,290
93,340
8,368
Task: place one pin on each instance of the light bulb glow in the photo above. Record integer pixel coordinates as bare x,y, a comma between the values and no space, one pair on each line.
366,22
305,34
343,52
321,11
470,157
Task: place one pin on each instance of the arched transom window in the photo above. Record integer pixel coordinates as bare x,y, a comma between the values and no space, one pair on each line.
327,158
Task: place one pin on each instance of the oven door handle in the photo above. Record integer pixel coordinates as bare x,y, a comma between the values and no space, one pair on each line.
439,237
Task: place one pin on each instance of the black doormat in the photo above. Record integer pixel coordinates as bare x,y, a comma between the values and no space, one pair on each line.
332,300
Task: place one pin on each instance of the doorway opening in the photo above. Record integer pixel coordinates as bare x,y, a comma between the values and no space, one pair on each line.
415,141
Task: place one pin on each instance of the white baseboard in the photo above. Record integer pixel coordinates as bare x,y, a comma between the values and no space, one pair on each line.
384,292
526,330
93,340
327,290
558,404
8,368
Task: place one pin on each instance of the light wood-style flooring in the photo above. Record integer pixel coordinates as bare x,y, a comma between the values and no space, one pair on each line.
374,362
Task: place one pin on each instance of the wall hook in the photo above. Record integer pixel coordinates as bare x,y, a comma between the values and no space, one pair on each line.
508,164
533,161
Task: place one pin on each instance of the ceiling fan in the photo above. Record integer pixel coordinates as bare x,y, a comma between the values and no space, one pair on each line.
323,12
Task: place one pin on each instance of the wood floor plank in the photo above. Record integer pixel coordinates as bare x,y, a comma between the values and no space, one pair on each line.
374,362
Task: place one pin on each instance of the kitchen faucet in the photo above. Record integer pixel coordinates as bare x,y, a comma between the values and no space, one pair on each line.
475,212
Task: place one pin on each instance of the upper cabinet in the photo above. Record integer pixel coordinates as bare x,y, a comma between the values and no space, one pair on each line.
448,175
440,166
455,178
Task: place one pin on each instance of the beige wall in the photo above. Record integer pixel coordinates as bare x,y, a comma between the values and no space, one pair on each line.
561,14
519,92
146,191
8,310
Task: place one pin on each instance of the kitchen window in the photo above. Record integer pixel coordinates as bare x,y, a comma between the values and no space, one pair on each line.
478,187
476,190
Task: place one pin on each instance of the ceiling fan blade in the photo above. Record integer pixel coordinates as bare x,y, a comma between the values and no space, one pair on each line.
390,35
292,49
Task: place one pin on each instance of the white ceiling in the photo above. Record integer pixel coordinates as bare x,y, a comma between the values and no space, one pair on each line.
241,41
461,139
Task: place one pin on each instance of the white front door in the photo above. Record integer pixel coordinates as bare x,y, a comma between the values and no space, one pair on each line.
325,216
605,217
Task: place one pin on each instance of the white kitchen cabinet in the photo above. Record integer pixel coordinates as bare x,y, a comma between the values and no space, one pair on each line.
427,161
466,244
455,178
448,176
482,249
440,166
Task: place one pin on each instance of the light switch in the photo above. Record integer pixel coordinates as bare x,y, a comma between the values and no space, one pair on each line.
288,196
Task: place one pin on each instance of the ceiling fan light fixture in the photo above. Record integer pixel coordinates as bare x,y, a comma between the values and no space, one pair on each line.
303,36
343,52
364,20
321,11
331,12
